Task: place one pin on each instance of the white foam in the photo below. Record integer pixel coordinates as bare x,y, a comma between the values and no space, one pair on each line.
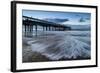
61,46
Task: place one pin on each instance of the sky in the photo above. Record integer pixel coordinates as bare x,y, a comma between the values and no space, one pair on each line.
73,17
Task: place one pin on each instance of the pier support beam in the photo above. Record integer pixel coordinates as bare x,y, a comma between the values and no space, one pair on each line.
36,30
25,28
46,28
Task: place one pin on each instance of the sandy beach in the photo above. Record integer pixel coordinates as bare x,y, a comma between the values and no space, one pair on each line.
56,46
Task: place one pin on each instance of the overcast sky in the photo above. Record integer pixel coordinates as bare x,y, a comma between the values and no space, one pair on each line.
73,17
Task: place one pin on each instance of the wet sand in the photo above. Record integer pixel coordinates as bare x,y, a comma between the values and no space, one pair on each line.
48,49
30,56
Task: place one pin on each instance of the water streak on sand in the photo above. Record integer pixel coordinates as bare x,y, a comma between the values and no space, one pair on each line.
62,45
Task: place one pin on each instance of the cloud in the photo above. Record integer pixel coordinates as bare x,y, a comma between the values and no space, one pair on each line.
56,20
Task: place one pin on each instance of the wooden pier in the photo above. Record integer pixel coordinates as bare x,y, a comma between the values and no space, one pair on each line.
30,22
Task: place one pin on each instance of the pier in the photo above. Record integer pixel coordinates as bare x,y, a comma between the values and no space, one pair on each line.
30,22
